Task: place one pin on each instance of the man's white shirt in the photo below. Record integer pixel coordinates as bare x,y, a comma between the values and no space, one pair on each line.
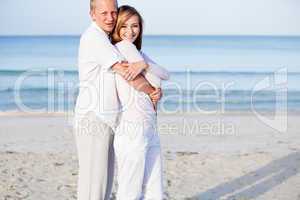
97,86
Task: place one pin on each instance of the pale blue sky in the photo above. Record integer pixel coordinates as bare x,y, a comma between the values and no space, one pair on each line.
192,17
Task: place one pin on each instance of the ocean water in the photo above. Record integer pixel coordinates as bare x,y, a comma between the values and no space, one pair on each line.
208,73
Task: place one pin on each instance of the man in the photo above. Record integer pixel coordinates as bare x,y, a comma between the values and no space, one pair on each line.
97,104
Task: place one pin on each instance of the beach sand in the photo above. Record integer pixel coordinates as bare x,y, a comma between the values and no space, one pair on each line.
215,156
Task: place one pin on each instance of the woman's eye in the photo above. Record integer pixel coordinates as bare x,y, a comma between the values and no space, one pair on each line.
123,26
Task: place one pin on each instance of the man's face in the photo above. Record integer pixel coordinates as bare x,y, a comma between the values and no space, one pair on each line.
105,14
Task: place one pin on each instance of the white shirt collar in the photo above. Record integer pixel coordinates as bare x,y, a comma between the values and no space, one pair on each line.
98,28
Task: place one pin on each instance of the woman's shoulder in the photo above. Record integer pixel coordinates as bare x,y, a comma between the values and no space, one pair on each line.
145,56
125,43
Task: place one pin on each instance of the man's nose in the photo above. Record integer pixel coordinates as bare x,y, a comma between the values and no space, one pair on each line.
110,17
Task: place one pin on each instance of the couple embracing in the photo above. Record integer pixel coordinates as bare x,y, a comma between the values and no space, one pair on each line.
115,113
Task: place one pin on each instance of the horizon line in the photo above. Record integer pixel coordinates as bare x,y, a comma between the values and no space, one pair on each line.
154,35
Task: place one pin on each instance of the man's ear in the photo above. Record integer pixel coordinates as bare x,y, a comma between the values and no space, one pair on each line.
92,14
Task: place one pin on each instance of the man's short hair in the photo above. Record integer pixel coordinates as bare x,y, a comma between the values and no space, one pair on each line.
92,3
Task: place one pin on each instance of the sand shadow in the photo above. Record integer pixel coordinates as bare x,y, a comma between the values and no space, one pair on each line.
255,183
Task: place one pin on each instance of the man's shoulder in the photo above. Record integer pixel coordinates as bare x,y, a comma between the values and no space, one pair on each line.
91,33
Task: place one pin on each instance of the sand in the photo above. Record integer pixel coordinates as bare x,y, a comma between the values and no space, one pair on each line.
223,156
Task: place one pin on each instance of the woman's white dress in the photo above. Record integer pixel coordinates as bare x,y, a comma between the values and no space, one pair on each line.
136,142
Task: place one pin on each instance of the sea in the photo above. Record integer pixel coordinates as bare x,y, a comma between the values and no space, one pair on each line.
208,73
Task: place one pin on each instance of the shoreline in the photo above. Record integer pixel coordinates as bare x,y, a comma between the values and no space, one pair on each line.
160,113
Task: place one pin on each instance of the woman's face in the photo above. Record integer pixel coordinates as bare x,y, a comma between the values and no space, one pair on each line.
130,30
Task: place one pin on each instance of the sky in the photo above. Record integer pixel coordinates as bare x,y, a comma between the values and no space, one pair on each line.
162,17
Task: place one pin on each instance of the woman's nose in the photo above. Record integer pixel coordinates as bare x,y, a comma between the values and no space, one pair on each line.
128,32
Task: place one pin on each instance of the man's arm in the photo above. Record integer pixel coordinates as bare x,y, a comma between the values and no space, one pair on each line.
139,83
134,57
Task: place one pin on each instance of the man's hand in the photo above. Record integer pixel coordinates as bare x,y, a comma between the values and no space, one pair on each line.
135,69
121,68
156,96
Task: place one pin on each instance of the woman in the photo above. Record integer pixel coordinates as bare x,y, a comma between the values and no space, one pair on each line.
136,142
